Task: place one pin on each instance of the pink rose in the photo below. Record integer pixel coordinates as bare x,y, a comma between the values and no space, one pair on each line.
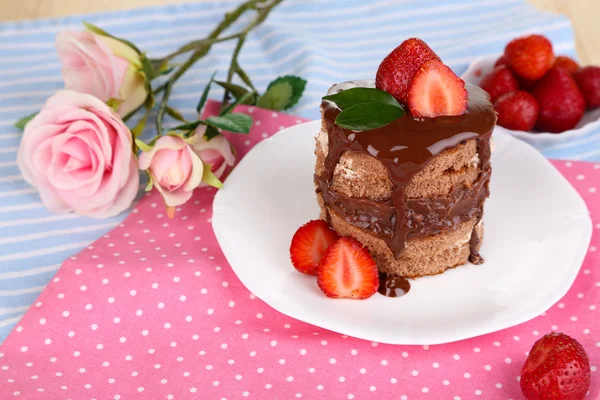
103,67
174,168
216,152
77,153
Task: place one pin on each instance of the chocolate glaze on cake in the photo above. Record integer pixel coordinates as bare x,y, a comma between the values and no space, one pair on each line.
405,147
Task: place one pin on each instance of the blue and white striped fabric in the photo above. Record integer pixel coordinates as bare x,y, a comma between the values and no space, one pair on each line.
325,41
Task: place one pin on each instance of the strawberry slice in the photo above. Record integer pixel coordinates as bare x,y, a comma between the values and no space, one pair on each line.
398,68
348,271
436,91
309,244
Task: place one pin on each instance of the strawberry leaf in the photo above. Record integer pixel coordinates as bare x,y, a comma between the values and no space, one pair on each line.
358,95
298,84
277,97
365,116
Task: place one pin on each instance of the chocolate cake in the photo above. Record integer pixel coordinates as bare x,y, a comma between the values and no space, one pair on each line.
413,191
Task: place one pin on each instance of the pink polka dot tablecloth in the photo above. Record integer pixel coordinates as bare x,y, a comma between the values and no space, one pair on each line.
153,311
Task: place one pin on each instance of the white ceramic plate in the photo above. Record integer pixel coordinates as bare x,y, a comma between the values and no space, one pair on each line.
537,233
589,122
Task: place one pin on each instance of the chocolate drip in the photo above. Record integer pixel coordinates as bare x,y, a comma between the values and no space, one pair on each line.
392,285
405,147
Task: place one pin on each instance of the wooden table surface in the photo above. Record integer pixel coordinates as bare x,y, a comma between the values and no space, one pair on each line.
583,13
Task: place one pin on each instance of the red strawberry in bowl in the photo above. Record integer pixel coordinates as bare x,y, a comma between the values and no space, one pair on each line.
396,71
498,82
561,102
348,271
502,60
588,80
309,244
557,368
517,111
530,56
567,63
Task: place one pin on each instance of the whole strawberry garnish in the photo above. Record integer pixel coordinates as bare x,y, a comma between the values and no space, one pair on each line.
517,110
309,244
348,271
567,63
560,100
498,82
557,368
396,71
530,56
436,91
588,81
502,60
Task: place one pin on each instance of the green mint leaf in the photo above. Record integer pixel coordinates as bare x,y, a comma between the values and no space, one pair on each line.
20,124
99,31
298,84
277,97
235,122
173,113
365,116
359,95
209,178
205,93
241,100
188,126
211,132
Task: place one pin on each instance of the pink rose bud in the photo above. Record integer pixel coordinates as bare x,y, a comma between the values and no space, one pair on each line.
216,152
77,153
174,168
103,67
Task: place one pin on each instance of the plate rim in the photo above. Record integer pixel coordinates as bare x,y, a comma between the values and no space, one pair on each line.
382,338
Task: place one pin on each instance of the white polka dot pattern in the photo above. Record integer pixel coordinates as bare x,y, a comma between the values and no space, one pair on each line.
172,322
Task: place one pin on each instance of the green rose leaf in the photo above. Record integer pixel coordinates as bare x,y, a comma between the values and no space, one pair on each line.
241,100
173,113
211,132
234,122
365,116
277,97
20,124
298,84
143,146
209,178
359,95
243,76
188,126
148,69
236,90
205,93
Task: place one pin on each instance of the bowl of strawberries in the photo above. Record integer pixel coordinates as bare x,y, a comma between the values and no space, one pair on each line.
540,97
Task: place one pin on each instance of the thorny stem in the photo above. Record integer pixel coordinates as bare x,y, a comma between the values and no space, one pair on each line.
202,47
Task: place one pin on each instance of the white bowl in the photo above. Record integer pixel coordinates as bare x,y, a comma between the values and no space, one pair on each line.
590,121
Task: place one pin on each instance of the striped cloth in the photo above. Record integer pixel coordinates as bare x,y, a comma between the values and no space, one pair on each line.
325,41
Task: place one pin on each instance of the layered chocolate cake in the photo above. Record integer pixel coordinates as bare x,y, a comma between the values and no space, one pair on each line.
413,191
